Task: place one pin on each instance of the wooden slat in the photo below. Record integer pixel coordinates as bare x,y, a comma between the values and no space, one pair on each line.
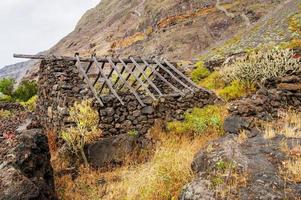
108,82
163,79
184,76
139,80
99,74
145,76
121,72
139,76
151,74
80,68
129,75
109,76
126,83
173,76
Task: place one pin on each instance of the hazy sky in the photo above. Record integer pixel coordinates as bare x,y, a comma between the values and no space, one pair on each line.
31,26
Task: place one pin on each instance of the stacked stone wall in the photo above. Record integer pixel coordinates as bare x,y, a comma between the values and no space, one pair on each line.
60,85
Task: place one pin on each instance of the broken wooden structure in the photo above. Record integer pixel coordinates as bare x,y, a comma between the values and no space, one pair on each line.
107,75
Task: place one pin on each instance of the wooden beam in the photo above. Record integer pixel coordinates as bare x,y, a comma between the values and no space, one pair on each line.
173,76
163,79
139,80
121,72
148,80
99,74
81,70
108,82
129,75
184,76
126,83
67,58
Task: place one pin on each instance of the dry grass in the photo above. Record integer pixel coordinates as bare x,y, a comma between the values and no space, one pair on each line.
292,170
289,126
162,177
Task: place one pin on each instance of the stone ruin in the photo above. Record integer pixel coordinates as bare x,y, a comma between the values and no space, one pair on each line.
129,95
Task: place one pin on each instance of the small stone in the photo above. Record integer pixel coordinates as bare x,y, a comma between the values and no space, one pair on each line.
147,110
136,113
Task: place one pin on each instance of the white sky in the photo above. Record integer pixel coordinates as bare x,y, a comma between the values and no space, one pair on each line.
31,26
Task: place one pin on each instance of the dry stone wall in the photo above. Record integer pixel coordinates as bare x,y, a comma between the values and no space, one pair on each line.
276,94
60,85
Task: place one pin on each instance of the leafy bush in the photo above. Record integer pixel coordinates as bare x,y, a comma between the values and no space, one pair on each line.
213,81
31,103
199,121
5,98
85,130
258,66
235,90
7,86
25,91
200,72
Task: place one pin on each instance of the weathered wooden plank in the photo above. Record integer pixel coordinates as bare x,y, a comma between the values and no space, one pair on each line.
121,72
80,68
139,80
129,75
126,83
145,76
67,58
99,74
163,79
108,82
109,76
151,74
184,76
173,76
139,76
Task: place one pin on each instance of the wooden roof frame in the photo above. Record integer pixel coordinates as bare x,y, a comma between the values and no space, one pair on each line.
124,73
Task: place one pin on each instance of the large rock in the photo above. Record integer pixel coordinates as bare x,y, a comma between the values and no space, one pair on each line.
255,160
25,170
111,150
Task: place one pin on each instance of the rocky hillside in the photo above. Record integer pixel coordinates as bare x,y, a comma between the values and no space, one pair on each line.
18,70
178,30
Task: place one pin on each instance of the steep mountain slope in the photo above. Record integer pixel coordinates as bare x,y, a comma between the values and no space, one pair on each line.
176,29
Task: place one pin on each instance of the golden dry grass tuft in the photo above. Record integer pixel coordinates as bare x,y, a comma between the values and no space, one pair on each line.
289,126
161,177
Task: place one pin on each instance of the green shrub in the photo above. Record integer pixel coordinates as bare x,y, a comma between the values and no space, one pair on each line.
85,130
213,81
25,91
235,90
31,103
199,120
7,86
5,98
258,66
200,72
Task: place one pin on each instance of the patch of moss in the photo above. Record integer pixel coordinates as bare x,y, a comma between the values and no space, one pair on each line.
213,81
235,90
200,72
200,120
